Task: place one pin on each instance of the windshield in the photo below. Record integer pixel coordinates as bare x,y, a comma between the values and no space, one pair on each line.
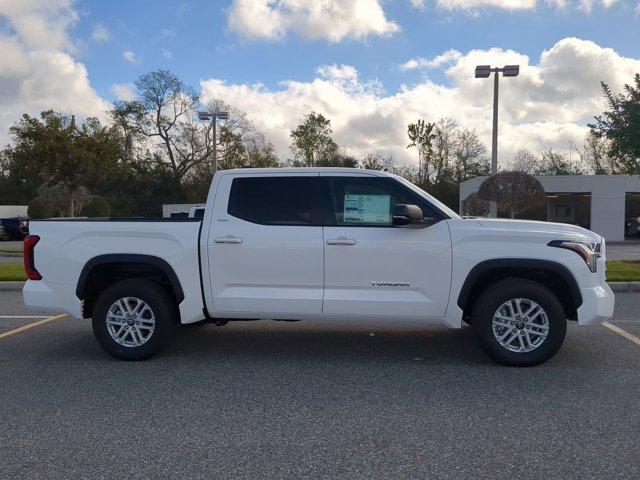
432,199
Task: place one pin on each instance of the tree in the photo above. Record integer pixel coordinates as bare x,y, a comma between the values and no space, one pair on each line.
57,196
620,125
421,136
311,142
470,158
559,162
475,206
378,161
594,153
511,190
39,208
165,115
240,144
56,150
97,206
525,161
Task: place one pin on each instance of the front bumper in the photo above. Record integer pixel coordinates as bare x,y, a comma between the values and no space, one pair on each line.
597,304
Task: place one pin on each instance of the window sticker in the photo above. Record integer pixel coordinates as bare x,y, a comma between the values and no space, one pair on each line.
367,209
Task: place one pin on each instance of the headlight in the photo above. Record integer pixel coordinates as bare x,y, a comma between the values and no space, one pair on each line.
590,252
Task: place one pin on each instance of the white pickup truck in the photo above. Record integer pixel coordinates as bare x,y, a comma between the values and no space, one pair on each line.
320,243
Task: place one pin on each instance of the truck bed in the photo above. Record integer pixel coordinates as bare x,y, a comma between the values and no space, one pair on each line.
67,245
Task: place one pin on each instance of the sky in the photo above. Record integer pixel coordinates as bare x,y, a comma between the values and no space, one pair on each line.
371,66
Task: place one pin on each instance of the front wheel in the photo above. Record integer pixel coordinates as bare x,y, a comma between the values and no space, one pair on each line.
133,319
519,322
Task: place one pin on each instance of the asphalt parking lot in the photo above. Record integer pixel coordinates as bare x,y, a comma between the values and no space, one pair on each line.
315,400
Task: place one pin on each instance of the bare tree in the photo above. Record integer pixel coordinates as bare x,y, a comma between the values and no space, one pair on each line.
164,115
595,154
560,162
514,191
525,161
378,161
469,156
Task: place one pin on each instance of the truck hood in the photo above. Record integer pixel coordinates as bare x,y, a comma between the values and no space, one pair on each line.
562,231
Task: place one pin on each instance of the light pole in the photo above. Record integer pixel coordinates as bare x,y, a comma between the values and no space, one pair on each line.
214,117
483,71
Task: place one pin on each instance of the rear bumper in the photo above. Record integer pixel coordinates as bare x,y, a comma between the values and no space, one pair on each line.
597,304
48,298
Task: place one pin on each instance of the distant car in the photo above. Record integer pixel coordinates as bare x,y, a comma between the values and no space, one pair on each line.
631,227
196,212
14,228
3,234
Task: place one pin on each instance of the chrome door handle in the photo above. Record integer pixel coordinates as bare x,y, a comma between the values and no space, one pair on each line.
227,239
341,241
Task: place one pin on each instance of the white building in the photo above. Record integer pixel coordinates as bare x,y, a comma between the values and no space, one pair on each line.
601,203
7,211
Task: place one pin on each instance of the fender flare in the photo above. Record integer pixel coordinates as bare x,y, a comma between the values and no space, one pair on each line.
523,263
129,258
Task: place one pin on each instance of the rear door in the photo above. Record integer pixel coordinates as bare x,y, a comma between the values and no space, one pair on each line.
373,268
265,246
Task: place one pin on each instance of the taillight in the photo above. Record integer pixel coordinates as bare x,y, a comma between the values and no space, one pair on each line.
27,251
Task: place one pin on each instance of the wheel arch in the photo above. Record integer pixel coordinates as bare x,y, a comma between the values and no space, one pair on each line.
548,273
104,270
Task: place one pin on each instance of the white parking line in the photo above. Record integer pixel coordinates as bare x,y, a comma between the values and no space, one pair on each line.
23,316
622,333
31,325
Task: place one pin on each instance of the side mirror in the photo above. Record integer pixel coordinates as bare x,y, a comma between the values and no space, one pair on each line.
410,216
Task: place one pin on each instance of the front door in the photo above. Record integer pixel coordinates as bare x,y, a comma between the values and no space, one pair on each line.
265,246
373,268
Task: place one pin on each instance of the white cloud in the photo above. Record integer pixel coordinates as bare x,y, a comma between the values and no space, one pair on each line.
548,103
166,53
130,57
475,4
438,61
100,34
37,70
123,91
40,24
511,5
167,32
332,20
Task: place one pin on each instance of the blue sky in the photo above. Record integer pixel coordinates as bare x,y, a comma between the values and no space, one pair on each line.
202,46
371,66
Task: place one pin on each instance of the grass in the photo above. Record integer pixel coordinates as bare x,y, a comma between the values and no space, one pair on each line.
10,249
12,272
617,271
623,271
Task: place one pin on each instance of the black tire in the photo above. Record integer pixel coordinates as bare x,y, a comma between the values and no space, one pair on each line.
490,301
162,306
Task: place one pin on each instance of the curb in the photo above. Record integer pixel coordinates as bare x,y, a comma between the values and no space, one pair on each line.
7,254
11,286
625,286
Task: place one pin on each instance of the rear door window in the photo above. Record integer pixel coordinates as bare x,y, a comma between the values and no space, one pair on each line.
274,200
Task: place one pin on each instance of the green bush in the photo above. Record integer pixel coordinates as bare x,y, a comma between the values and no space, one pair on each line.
39,208
96,207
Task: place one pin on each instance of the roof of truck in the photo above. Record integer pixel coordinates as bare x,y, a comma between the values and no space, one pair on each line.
308,170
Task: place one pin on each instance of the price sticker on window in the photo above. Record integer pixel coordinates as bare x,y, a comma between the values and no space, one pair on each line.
374,209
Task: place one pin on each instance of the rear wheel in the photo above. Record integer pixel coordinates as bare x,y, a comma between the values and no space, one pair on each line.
519,322
133,319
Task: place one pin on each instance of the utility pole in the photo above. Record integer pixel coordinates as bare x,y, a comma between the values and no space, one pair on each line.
484,71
